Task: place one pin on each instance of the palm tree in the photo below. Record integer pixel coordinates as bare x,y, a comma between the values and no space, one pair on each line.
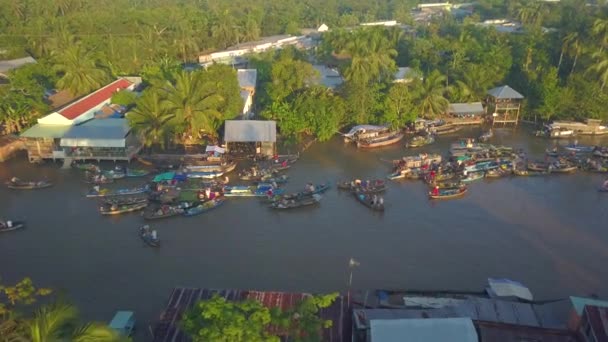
56,322
573,47
151,118
372,57
80,72
251,30
195,103
600,67
531,12
432,90
600,29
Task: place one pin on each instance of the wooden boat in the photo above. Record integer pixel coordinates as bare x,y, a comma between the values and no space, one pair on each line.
601,152
444,176
445,129
279,168
113,174
165,211
482,166
115,209
205,174
124,200
419,141
17,184
526,173
9,226
381,140
486,136
211,167
318,189
149,237
497,173
96,179
405,173
118,192
579,148
447,185
367,200
204,207
261,190
448,193
86,167
278,180
562,168
417,161
472,176
296,203
368,187
552,153
137,172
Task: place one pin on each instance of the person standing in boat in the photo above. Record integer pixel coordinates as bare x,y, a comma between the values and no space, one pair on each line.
436,190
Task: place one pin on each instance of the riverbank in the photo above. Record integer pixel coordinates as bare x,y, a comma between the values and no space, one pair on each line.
10,145
551,223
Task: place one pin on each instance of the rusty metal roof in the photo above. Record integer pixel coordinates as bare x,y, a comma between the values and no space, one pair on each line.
182,299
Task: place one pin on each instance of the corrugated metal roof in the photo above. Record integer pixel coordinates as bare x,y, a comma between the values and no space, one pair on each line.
505,92
46,131
579,303
247,77
85,104
466,108
11,64
423,330
598,320
182,299
250,131
493,332
97,133
329,77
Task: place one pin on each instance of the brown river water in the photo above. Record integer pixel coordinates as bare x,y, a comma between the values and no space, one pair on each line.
550,233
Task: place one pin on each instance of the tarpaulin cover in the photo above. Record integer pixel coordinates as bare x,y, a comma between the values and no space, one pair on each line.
365,128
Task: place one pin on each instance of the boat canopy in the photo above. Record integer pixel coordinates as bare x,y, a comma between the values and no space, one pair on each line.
167,176
364,128
508,288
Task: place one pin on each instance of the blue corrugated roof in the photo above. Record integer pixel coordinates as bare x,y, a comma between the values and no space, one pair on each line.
579,303
121,319
423,330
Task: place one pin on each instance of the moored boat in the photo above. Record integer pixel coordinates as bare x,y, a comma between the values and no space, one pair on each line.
18,184
8,226
97,192
86,167
472,176
486,136
165,210
448,193
445,129
137,172
149,236
205,174
373,202
123,200
115,209
369,187
381,140
526,173
601,152
296,203
419,141
313,190
204,207
579,148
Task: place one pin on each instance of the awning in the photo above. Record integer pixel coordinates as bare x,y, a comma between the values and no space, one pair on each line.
215,149
167,176
97,133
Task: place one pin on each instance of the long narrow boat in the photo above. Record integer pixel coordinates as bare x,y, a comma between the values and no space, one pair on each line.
446,129
18,184
369,187
406,173
526,173
318,189
205,174
482,166
206,167
9,226
291,204
277,180
419,141
472,176
114,209
123,200
137,172
204,207
148,236
114,174
86,167
261,190
165,211
579,148
98,180
380,141
448,193
117,192
367,200
447,185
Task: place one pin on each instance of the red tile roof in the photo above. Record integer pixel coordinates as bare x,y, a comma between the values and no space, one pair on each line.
85,104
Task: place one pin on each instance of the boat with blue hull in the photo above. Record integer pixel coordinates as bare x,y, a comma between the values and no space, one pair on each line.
204,207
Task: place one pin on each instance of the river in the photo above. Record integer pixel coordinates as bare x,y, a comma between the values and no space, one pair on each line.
549,233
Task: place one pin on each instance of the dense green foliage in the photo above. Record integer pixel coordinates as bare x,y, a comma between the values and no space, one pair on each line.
57,321
558,60
248,321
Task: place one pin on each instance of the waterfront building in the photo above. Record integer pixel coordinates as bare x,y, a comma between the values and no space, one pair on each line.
504,105
88,128
247,82
250,137
465,113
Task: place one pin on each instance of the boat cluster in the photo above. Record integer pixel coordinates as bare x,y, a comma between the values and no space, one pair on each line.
468,161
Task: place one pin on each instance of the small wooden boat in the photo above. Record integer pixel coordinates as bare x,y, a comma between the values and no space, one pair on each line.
448,193
204,207
482,166
118,192
368,187
86,167
496,173
381,140
561,168
165,211
205,174
318,189
8,226
17,184
123,200
149,236
445,129
447,185
98,180
137,172
472,176
261,190
419,141
526,173
224,167
296,203
579,148
114,174
370,201
115,209
486,136
552,153
601,152
405,173
277,180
